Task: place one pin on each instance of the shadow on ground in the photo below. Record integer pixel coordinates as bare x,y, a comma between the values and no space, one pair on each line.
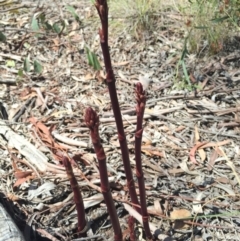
20,220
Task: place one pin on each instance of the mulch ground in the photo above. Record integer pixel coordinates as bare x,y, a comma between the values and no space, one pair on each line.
190,148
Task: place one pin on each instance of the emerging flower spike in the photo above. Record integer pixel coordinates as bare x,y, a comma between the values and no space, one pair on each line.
92,121
102,8
141,102
82,222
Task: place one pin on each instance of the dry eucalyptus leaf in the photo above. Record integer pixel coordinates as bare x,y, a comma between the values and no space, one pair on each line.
197,136
202,154
197,207
157,207
180,214
213,157
184,166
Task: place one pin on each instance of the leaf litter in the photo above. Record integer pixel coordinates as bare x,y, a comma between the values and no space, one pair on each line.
190,146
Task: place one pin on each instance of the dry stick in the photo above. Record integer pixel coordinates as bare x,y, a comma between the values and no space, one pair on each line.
102,8
141,102
82,222
92,121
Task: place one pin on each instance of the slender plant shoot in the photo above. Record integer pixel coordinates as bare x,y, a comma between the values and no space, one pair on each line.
141,102
131,222
82,222
102,8
92,121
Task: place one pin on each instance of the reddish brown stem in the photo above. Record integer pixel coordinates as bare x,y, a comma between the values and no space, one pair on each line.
141,102
82,222
92,121
131,221
102,8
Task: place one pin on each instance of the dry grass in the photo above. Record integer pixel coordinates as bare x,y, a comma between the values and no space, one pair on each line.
135,16
207,24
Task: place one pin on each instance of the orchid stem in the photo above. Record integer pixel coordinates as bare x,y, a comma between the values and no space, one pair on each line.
92,121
